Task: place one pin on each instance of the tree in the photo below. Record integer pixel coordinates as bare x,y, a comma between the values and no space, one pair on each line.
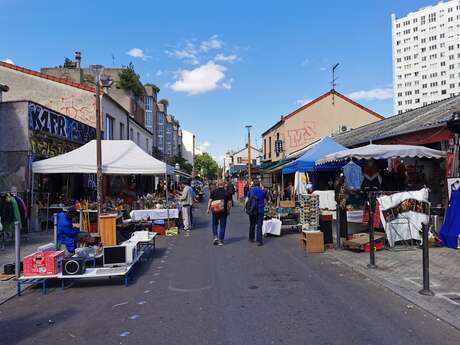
130,80
165,102
184,165
206,166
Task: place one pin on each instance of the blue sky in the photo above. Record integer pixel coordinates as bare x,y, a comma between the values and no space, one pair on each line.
221,64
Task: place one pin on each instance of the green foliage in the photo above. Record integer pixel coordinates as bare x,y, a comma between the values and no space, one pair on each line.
130,80
206,166
165,102
88,78
156,88
184,165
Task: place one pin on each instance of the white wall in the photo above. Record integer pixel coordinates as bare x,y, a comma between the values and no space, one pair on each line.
187,146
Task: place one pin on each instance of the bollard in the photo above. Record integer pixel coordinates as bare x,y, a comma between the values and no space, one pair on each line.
425,264
337,223
17,249
371,232
55,217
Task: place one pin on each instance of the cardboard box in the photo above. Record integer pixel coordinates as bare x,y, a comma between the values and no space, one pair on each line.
43,263
287,204
313,241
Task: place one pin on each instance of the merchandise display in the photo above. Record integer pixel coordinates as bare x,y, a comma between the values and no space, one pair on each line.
309,211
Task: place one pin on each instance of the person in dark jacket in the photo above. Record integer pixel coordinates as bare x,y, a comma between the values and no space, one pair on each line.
256,220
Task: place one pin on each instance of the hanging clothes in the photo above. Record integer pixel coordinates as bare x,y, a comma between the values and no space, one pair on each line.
353,176
450,230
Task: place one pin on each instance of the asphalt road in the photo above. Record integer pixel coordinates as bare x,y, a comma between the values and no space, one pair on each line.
195,293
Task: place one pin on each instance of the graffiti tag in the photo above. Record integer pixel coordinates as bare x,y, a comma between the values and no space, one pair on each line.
302,136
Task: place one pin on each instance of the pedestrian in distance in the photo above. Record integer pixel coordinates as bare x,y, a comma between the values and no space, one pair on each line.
230,190
255,208
187,202
219,206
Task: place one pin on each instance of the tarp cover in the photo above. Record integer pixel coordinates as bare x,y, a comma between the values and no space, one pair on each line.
383,152
119,157
306,162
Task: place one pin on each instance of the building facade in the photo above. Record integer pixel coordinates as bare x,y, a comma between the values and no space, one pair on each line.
426,55
77,101
236,162
188,146
328,114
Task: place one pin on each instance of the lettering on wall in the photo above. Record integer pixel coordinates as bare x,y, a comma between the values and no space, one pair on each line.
302,136
45,121
45,147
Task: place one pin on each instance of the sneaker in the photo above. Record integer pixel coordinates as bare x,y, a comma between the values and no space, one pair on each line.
220,243
260,244
216,242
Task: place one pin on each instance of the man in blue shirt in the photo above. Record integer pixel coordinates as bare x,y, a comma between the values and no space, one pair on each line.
255,207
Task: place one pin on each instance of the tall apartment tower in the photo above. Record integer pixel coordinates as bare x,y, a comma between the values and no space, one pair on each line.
426,55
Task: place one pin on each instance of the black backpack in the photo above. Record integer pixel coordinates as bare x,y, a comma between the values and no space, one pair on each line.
252,206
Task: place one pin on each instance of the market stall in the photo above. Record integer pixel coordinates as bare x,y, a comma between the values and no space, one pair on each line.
118,240
402,213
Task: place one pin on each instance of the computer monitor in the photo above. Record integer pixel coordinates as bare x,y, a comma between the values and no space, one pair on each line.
114,256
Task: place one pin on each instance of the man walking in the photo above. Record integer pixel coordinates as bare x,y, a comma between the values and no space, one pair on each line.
219,205
255,208
187,202
230,190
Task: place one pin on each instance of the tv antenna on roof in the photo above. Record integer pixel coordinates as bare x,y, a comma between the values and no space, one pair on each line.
113,60
334,79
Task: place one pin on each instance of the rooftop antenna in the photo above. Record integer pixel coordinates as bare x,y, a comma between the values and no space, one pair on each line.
334,79
113,60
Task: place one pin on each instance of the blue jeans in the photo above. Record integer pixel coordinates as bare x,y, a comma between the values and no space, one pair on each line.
255,226
219,219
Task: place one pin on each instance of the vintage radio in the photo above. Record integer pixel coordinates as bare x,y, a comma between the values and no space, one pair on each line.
46,263
73,266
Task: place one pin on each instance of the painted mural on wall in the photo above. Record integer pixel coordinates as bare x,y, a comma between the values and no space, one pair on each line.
302,136
78,108
54,134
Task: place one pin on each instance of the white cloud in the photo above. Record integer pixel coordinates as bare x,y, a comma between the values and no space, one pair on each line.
204,146
138,53
226,58
8,60
159,73
227,85
373,94
212,43
303,101
200,80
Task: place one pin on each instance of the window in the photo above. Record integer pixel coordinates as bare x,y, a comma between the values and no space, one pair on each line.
432,17
147,144
265,148
109,120
239,160
270,147
138,138
122,131
131,134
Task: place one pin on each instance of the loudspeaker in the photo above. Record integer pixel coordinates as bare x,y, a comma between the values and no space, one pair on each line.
73,266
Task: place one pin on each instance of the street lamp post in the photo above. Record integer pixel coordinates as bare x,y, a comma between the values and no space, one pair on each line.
99,79
249,154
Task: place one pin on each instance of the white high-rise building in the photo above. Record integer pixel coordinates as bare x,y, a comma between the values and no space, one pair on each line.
426,55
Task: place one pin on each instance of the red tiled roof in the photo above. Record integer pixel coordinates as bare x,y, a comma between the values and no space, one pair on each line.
49,77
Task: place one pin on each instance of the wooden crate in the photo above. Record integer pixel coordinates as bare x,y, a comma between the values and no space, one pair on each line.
312,241
359,241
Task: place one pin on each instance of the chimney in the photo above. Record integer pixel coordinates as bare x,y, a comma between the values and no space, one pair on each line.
77,59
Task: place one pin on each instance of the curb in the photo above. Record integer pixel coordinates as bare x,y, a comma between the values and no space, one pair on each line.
385,284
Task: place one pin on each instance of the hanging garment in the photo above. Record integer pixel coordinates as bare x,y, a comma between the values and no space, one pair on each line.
372,182
450,230
353,176
366,215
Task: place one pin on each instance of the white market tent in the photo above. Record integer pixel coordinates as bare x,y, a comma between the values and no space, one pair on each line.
383,152
119,157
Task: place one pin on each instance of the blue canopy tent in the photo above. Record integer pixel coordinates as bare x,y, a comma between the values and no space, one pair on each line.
306,162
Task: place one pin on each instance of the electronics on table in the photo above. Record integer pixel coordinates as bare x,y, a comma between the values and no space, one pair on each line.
116,259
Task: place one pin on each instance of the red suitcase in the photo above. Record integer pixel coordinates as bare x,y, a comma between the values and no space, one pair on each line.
46,263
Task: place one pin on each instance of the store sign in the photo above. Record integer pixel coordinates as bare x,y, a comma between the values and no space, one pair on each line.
46,121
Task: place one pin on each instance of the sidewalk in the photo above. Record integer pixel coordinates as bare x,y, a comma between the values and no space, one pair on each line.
401,272
28,246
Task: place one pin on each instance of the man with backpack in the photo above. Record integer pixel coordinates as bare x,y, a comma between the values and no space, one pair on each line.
255,208
219,205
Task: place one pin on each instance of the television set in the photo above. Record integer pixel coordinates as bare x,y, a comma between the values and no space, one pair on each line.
114,256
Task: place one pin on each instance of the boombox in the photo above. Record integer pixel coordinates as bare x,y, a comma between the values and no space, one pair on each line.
73,266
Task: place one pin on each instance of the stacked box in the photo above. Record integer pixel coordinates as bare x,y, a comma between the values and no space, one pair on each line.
309,211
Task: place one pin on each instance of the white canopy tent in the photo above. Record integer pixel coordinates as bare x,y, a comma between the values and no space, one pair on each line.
119,157
383,152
